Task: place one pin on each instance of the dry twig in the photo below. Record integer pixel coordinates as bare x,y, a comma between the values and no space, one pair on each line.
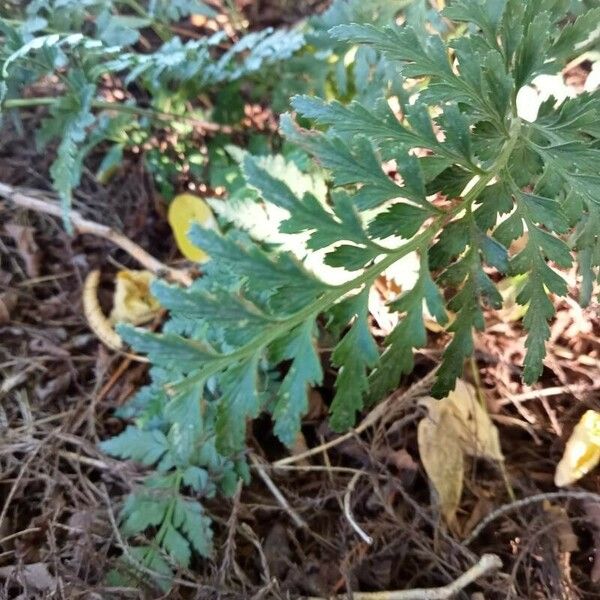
348,510
564,494
486,564
82,225
298,520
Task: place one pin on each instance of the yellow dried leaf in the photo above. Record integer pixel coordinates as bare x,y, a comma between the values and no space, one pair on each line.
582,452
97,321
477,434
442,458
132,301
185,210
469,421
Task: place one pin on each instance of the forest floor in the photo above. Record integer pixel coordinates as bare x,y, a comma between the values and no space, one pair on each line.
59,388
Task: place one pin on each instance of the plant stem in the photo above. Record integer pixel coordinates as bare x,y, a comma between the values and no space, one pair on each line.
13,103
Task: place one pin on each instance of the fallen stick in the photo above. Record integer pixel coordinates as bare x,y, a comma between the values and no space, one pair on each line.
281,499
506,508
348,510
486,564
82,225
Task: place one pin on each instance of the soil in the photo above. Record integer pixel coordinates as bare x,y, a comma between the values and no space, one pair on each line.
59,388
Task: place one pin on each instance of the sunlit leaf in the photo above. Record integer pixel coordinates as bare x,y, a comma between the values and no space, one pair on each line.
582,452
185,210
132,301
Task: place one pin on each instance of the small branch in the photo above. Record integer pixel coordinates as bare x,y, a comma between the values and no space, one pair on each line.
486,564
547,392
565,494
348,510
282,501
82,225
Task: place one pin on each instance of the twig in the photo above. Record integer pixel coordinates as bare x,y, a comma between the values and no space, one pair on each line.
569,495
82,225
298,520
348,509
486,564
547,392
382,410
316,468
85,460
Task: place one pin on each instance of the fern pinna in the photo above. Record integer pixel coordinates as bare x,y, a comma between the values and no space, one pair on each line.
481,178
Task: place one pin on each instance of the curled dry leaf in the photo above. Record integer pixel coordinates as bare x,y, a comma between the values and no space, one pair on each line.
96,319
132,301
509,289
442,458
185,210
455,426
582,452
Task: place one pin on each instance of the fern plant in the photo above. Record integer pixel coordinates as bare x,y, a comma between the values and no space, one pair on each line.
474,177
48,41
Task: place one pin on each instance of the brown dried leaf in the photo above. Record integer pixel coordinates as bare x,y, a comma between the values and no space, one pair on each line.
277,550
27,247
469,421
442,458
563,530
8,302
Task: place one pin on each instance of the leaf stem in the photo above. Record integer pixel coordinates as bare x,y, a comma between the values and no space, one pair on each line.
17,103
333,295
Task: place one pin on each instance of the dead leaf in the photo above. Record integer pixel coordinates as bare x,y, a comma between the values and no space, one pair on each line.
477,434
582,452
482,508
8,302
456,426
469,421
27,247
442,458
132,302
277,550
563,530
